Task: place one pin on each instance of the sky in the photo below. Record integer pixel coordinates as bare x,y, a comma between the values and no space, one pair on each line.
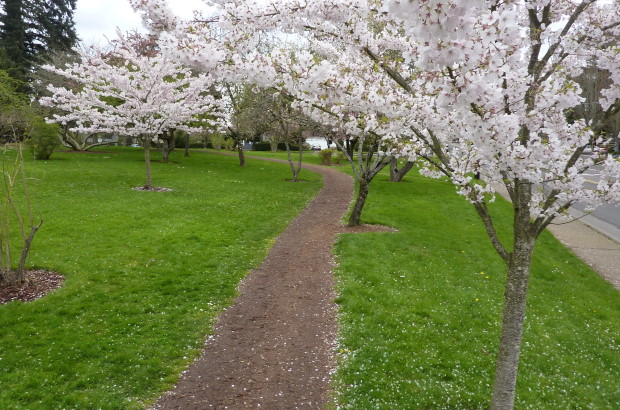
96,18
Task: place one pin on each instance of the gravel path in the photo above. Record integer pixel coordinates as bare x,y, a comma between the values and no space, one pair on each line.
273,348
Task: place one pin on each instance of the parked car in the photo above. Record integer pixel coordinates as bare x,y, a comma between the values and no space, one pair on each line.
316,147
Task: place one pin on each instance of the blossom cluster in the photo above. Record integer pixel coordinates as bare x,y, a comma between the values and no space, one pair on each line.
477,87
129,93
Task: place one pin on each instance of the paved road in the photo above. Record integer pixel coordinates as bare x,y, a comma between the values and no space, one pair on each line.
605,218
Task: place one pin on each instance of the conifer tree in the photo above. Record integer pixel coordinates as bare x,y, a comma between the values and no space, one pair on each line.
32,29
12,39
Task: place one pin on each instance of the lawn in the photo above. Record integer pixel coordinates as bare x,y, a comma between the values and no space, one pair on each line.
309,157
420,311
146,272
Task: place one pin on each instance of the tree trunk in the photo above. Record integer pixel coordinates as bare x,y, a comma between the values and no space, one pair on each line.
165,153
26,249
186,155
66,139
294,170
301,152
515,299
98,144
167,145
349,146
397,175
147,160
362,193
241,154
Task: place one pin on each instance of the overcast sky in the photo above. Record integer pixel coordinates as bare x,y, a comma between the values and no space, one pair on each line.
96,18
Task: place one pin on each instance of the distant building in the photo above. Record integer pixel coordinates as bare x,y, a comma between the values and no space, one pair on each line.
318,142
109,138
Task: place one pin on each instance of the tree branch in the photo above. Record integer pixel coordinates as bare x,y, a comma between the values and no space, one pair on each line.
483,212
536,70
400,80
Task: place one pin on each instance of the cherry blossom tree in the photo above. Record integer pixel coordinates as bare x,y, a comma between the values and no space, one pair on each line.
475,87
366,162
125,92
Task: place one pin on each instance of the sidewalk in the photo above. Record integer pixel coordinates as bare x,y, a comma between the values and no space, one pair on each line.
594,248
598,250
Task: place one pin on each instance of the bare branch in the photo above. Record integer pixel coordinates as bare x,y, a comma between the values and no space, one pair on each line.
483,212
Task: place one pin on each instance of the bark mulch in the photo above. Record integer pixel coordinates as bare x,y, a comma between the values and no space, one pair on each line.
273,348
37,283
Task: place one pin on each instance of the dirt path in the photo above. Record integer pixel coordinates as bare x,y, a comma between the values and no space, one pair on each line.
273,348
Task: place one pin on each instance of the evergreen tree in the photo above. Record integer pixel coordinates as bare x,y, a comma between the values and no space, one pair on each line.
51,26
12,39
32,29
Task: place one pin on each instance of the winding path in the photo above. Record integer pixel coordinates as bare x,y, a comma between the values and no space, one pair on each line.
273,348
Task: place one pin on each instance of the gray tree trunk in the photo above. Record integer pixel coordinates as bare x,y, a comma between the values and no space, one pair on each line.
515,300
365,168
294,169
165,155
147,160
241,154
68,139
186,145
362,193
397,175
167,145
26,249
301,152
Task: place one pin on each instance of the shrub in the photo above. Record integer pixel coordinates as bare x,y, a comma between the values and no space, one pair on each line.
179,138
217,140
14,179
200,145
43,138
338,157
326,156
293,147
262,146
228,144
266,146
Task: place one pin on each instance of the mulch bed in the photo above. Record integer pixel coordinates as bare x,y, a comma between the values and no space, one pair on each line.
37,284
274,348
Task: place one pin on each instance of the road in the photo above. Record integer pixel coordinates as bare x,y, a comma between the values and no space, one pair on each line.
605,218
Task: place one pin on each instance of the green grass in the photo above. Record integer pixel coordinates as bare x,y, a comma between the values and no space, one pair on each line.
420,311
308,157
146,272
